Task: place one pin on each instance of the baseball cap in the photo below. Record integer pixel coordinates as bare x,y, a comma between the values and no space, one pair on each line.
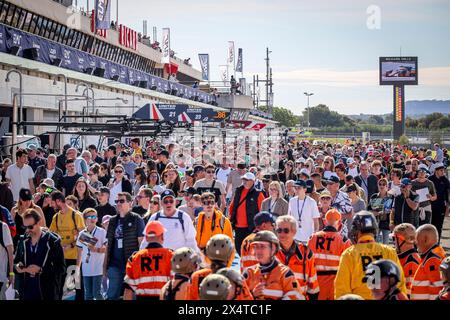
305,172
300,160
198,169
32,147
190,190
167,193
422,167
333,214
439,165
309,186
154,229
429,158
405,182
249,176
351,188
333,179
300,183
263,217
163,153
325,194
124,154
350,160
25,194
105,190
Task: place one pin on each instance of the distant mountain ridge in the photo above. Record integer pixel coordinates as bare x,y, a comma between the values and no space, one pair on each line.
416,108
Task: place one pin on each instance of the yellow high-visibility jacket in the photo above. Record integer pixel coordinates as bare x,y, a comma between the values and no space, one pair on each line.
353,263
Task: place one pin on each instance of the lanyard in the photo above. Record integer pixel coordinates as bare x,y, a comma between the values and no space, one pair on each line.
300,213
271,207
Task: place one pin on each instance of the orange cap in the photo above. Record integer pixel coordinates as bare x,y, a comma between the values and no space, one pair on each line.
333,214
154,229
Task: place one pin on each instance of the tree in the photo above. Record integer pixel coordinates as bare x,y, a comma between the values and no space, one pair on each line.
284,116
376,119
322,116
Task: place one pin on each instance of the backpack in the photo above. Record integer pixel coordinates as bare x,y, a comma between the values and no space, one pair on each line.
73,219
171,292
179,217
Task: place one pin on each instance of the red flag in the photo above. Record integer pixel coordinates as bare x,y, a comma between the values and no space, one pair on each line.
127,37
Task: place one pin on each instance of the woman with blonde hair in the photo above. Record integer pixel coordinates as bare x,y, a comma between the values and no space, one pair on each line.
275,204
18,211
328,166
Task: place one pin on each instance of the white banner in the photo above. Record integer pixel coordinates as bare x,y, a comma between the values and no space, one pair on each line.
204,64
223,72
231,52
165,46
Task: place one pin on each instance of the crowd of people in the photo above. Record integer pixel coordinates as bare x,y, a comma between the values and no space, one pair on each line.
333,221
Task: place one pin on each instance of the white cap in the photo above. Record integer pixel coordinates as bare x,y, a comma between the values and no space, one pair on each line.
249,176
422,166
300,160
305,171
350,160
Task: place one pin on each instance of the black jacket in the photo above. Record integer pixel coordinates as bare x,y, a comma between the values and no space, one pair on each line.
53,265
41,174
6,196
372,184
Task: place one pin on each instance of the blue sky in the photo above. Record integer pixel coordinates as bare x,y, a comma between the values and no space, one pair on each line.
324,47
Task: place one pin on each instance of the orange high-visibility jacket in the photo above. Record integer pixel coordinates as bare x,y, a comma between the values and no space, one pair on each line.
247,257
410,261
427,282
176,289
197,278
327,245
148,270
300,259
206,228
279,282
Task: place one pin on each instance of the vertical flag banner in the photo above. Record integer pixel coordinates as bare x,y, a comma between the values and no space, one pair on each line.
204,64
99,32
102,14
230,51
224,72
165,46
239,61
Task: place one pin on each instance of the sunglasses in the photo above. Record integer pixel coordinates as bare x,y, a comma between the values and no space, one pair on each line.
168,201
120,201
154,176
382,185
283,230
118,171
155,202
208,202
91,217
30,227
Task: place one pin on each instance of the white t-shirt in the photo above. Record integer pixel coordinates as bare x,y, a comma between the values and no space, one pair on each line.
174,238
113,192
19,178
95,265
7,241
353,172
222,175
50,173
306,209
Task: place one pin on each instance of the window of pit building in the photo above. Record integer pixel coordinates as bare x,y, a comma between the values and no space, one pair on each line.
3,10
43,27
10,14
27,21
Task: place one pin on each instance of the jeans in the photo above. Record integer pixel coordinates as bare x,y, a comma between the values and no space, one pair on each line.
383,236
115,277
239,235
92,288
